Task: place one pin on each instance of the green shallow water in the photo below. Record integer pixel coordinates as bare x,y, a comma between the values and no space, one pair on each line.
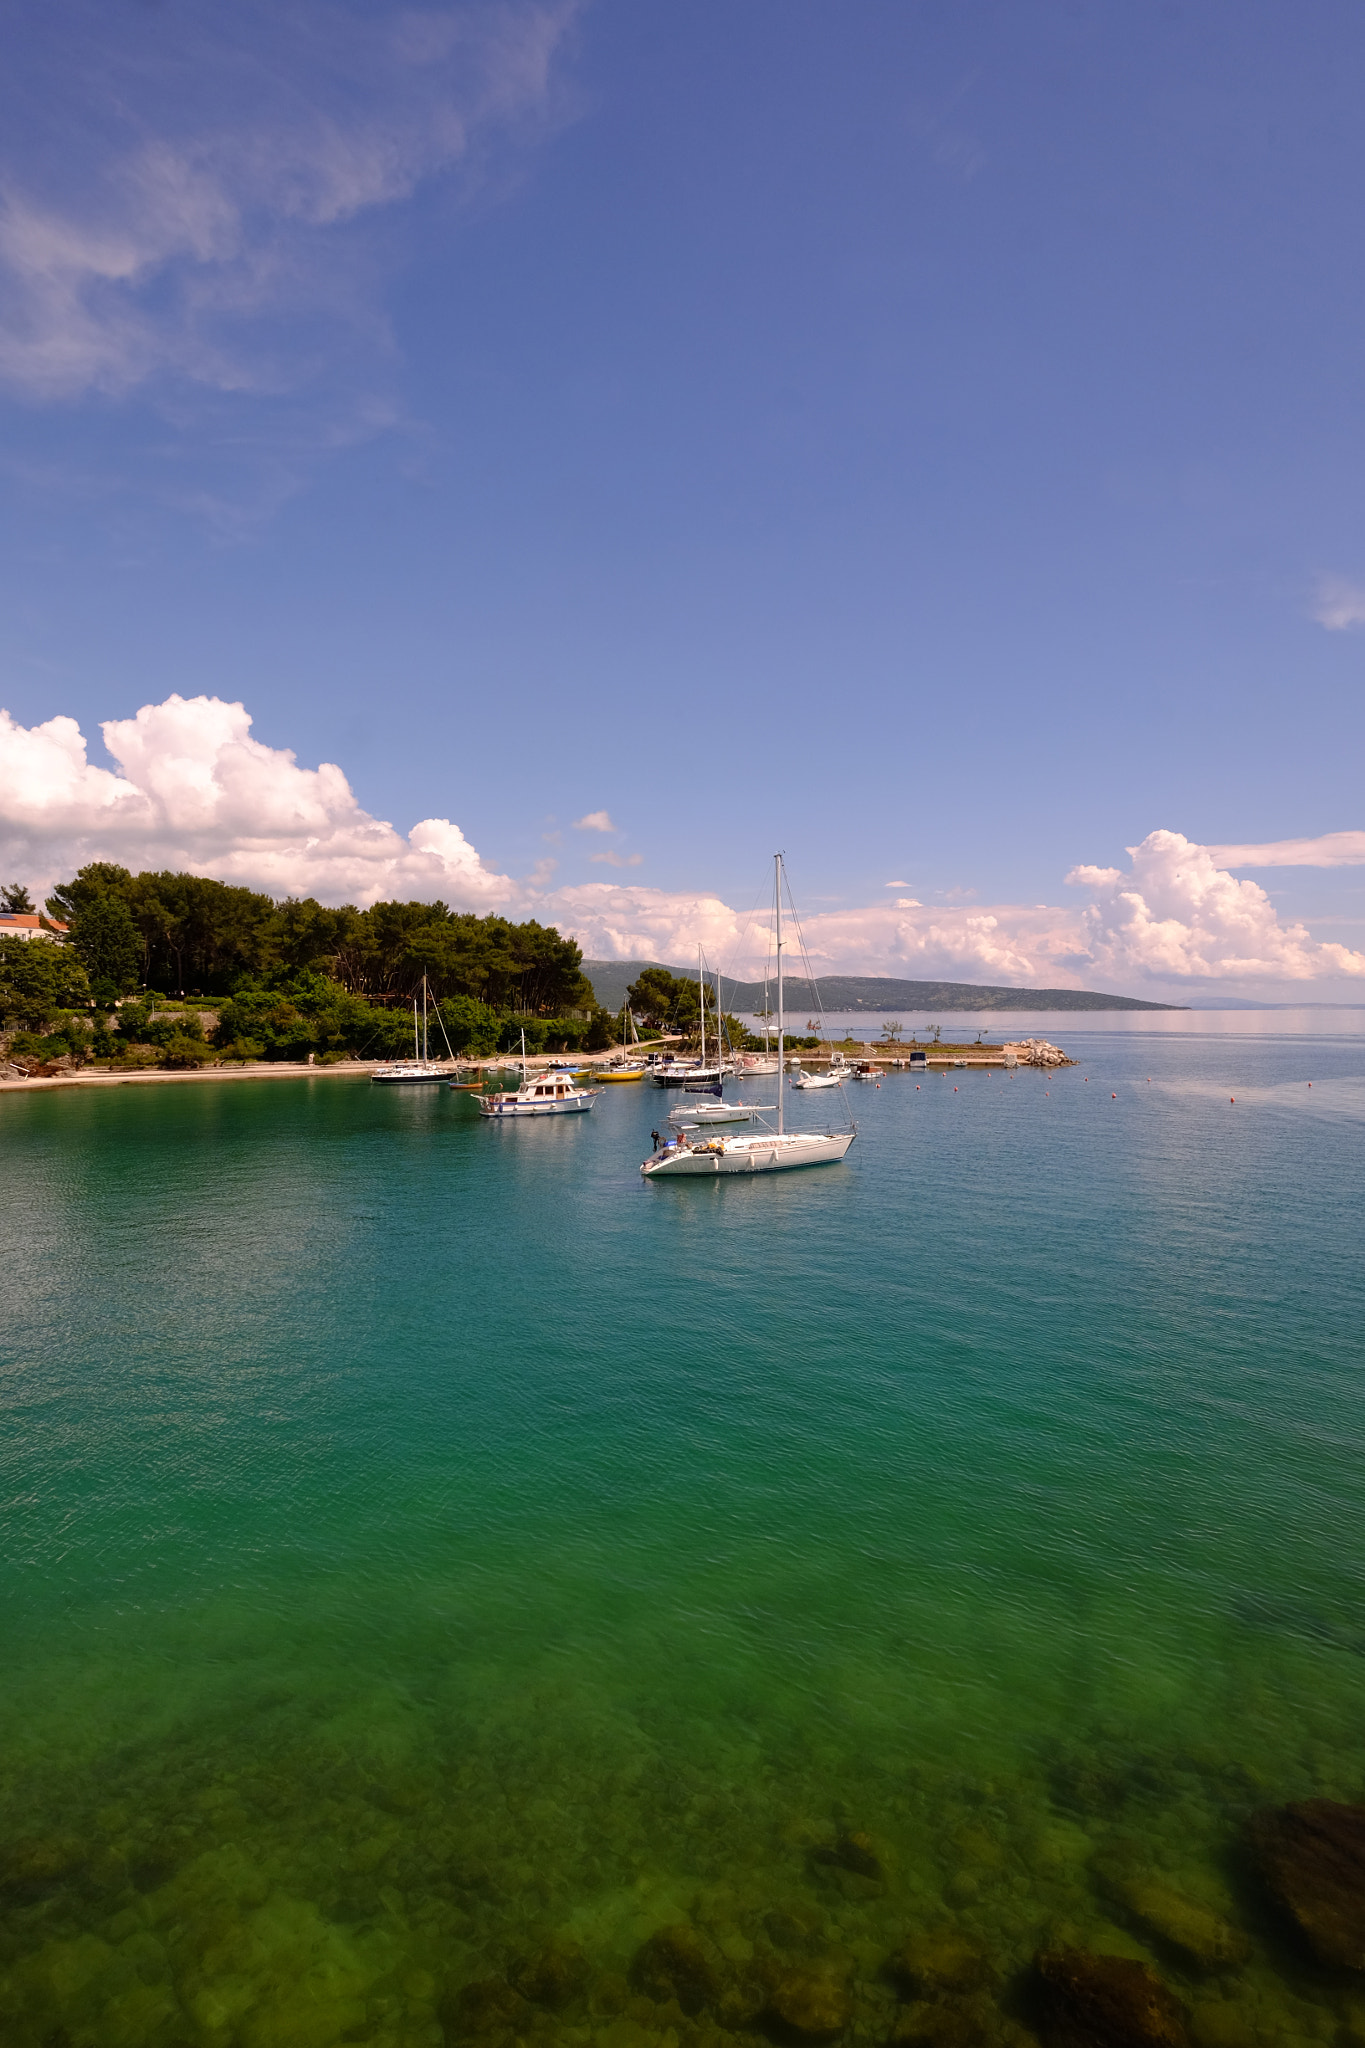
424,1542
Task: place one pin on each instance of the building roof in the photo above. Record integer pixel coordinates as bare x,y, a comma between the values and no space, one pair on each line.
29,921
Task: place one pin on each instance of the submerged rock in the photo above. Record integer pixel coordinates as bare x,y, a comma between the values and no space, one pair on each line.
1093,2001
936,1961
1200,1936
969,2023
488,2010
553,1976
854,1852
811,2002
1311,1858
677,1964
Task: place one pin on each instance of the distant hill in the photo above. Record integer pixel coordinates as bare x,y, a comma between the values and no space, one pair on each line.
878,993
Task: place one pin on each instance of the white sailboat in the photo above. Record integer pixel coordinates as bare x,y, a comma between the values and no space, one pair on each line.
761,1151
694,1114
420,1068
695,1074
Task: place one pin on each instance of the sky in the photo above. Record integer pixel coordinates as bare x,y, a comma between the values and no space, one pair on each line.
547,456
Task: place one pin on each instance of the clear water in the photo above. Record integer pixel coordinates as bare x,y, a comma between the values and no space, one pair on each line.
423,1541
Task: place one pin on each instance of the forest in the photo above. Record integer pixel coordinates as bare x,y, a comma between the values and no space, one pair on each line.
174,969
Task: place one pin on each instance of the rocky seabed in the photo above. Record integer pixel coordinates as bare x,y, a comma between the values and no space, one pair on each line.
541,1892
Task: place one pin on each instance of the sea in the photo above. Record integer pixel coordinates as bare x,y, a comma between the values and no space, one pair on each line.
439,1566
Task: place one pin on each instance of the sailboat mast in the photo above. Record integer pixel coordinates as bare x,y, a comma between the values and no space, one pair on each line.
701,1001
425,1054
777,876
415,1053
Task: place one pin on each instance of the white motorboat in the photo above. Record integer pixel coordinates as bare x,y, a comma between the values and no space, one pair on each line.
554,1092
692,1114
420,1068
695,1152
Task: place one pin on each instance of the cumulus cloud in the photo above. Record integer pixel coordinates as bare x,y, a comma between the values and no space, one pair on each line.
1338,603
612,859
191,788
194,790
198,216
595,821
1328,850
1177,915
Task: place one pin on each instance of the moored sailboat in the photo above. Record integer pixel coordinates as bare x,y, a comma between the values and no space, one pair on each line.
760,1151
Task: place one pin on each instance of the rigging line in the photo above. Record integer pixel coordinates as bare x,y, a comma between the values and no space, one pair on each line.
805,956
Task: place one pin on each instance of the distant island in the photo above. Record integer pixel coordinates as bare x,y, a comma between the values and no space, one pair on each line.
879,993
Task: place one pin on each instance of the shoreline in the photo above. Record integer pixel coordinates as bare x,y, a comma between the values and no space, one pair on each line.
474,1070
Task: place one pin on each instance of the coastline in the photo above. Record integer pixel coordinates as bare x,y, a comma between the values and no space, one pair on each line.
355,1070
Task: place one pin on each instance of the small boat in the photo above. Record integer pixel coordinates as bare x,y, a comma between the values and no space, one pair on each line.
865,1071
694,1153
631,1070
554,1092
692,1114
756,1063
834,1075
419,1068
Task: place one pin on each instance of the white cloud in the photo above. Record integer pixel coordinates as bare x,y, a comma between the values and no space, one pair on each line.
1176,914
195,791
613,859
1329,850
595,821
895,885
192,789
201,223
1338,603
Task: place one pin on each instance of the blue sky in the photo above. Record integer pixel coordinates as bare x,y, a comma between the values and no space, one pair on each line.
926,436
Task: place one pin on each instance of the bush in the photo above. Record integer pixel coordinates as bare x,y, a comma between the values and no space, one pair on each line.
185,1051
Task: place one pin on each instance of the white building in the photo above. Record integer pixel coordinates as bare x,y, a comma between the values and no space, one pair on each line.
27,924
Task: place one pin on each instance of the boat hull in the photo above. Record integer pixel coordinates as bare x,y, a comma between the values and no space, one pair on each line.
567,1107
687,1077
765,1153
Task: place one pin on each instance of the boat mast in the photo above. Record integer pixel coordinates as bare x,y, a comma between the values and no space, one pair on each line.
777,876
415,1053
701,999
425,1054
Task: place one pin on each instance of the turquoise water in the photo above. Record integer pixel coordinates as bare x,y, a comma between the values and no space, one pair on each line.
425,1542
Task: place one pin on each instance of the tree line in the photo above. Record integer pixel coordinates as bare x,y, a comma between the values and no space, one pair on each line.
285,977
191,935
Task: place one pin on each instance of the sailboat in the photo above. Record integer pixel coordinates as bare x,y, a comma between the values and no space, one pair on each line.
695,1074
624,1067
420,1067
760,1151
765,1062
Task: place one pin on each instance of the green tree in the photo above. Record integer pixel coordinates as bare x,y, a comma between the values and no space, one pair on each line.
601,1032
16,900
38,978
666,1000
107,942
